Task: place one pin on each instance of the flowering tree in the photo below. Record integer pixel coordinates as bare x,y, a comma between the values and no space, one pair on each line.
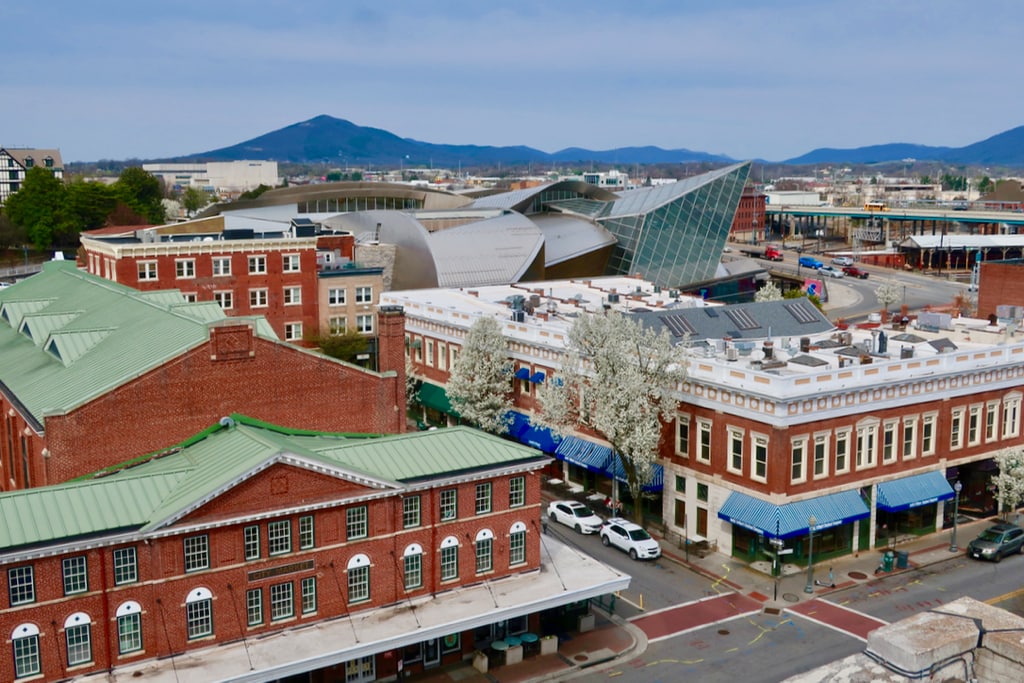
1010,480
478,385
619,379
769,292
887,294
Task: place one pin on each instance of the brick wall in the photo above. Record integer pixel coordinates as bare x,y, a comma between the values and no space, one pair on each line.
1000,283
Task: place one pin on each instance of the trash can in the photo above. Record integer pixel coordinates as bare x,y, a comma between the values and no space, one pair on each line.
902,560
887,561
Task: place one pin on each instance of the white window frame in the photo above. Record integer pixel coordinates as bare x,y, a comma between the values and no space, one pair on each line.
148,271
516,492
412,515
412,567
185,269
279,537
293,331
449,504
759,457
357,522
798,459
197,552
866,443
337,324
442,356
991,421
819,456
908,437
282,601
257,264
517,545
484,551
430,353
251,542
364,323
254,607
842,458
221,266
259,297
75,574
889,439
337,296
929,424
225,299
683,435
735,462
359,579
974,427
78,639
704,441
956,428
290,263
483,501
449,563
126,565
199,614
1011,416
293,296
364,294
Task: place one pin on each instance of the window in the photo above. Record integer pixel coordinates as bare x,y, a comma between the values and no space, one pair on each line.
991,420
889,441
484,551
252,542
516,492
257,265
126,566
702,492
820,456
683,435
974,426
483,498
442,355
199,613
76,575
449,559
306,539
292,296
364,295
760,471
928,434
258,298
222,266
147,270
909,437
336,296
364,324
430,352
197,553
1011,416
413,567
293,331
866,445
309,595
254,606
226,300
184,268
410,512
842,451
282,601
449,504
290,263
129,628
337,324
517,545
279,537
27,661
359,579
704,429
798,460
453,355
680,483
356,522
956,427
78,637
21,585
190,297
736,451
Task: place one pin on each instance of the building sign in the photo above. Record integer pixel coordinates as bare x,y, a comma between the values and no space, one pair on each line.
280,571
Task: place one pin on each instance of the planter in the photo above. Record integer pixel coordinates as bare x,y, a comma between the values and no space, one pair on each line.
480,661
549,645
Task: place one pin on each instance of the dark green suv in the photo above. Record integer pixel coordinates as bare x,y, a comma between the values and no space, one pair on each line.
997,541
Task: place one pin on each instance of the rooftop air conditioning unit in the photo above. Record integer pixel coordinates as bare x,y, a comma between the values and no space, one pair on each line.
613,298
519,316
731,353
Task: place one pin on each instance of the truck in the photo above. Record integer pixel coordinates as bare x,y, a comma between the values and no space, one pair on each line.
770,253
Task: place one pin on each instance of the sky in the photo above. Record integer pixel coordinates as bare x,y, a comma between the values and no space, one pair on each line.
118,79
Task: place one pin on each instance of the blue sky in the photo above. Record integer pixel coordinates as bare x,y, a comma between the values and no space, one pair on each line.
749,79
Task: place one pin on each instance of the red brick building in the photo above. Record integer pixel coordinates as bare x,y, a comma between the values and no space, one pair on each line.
255,551
95,373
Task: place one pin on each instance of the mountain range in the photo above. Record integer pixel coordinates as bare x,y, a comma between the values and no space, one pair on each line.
332,140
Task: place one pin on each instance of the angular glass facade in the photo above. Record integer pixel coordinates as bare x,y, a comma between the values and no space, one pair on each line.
673,235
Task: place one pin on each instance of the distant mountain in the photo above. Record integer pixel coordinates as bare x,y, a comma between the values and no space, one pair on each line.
328,139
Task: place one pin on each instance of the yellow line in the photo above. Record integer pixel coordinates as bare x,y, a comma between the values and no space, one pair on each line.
1005,596
614,674
630,602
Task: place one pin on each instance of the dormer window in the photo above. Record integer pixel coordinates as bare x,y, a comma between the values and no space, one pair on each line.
48,162
29,162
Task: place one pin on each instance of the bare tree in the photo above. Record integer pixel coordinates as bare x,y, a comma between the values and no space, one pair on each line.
479,386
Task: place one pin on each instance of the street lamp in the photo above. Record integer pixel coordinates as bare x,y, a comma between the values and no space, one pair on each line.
957,488
809,588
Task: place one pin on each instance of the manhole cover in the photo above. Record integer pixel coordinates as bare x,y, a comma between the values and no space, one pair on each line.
789,597
580,658
858,576
723,632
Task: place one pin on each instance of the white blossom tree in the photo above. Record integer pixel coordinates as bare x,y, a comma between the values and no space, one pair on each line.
478,385
1010,480
412,383
619,379
769,292
888,293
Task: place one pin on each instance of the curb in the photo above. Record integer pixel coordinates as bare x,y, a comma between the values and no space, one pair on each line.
638,647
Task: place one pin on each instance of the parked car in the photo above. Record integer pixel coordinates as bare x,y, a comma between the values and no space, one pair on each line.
575,515
829,271
854,271
842,261
997,541
630,538
810,262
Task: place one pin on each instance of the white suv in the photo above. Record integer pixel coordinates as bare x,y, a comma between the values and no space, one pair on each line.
577,515
630,538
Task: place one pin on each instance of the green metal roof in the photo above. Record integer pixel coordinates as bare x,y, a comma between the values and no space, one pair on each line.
153,492
67,337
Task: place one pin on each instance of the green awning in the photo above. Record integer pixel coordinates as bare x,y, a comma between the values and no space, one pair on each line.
433,396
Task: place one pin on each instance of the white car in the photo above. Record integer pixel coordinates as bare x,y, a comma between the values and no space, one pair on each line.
575,515
630,538
842,261
829,271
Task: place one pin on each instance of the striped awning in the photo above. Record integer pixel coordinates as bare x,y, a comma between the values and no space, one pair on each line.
793,519
588,454
915,491
657,482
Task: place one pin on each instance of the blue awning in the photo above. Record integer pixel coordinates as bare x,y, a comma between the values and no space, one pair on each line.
523,373
791,519
523,431
911,492
537,377
656,484
588,454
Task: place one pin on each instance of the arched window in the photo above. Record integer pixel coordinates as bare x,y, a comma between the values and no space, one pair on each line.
449,558
412,559
484,551
25,639
78,636
517,544
199,613
129,627
359,578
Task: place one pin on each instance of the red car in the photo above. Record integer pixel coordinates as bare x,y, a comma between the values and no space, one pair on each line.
854,271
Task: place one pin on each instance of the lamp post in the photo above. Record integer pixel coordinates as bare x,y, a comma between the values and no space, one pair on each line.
957,488
809,588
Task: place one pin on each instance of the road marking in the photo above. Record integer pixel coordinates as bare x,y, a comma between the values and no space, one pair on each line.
1006,596
630,602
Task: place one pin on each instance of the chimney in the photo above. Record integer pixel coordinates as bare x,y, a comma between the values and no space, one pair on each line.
768,349
805,344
